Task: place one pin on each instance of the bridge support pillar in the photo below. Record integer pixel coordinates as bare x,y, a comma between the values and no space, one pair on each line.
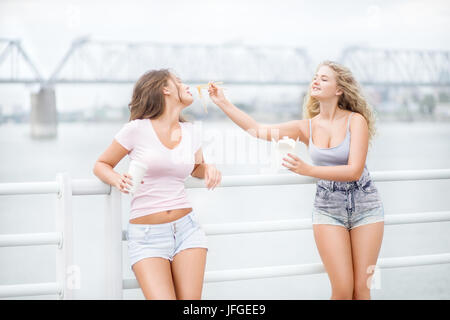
44,117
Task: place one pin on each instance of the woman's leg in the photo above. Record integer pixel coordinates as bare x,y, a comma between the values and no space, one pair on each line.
188,269
366,244
333,243
155,278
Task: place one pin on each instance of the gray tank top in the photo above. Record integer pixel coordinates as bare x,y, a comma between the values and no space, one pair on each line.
334,156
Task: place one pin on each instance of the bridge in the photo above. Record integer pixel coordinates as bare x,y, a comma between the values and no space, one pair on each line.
113,62
95,62
401,68
15,64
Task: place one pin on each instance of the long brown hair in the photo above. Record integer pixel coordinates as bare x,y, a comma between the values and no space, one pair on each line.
351,99
148,100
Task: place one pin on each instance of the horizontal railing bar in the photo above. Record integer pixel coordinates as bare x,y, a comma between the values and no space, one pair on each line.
411,175
254,180
291,178
305,224
51,238
97,187
305,269
421,217
414,261
263,272
30,239
85,187
35,289
19,188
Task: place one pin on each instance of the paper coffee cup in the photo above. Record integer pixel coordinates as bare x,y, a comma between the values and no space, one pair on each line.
283,147
136,170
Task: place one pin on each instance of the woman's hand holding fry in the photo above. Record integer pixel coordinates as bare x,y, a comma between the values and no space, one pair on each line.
216,94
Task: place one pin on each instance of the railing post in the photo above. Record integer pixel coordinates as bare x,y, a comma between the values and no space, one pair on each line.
64,225
113,245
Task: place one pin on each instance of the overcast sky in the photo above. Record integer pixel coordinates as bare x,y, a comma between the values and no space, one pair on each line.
324,28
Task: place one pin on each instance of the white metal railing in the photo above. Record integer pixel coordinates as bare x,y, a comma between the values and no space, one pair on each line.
64,188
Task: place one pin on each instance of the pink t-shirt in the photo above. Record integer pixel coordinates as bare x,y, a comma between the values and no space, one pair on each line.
163,187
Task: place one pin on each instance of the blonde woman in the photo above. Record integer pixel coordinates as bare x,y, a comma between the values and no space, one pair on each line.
348,215
166,245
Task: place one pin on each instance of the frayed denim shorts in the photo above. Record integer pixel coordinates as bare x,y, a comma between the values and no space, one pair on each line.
349,204
164,240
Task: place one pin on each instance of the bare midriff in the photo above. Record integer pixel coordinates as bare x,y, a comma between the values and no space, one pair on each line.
162,217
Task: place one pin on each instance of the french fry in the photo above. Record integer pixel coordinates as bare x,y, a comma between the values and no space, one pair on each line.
199,88
204,86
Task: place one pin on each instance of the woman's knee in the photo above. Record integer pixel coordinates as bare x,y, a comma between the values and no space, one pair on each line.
342,292
361,289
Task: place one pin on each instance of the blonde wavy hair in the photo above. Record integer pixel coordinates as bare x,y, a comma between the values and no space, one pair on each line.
351,98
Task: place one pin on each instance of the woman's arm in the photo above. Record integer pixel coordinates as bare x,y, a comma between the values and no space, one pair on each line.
206,171
104,167
295,129
356,160
199,167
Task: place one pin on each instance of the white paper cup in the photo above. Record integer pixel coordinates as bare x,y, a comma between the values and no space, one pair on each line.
283,153
282,148
136,170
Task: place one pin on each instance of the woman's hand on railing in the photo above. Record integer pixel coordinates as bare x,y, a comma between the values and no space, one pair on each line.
213,176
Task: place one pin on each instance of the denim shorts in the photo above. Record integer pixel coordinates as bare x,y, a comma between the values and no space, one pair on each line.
349,204
164,240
